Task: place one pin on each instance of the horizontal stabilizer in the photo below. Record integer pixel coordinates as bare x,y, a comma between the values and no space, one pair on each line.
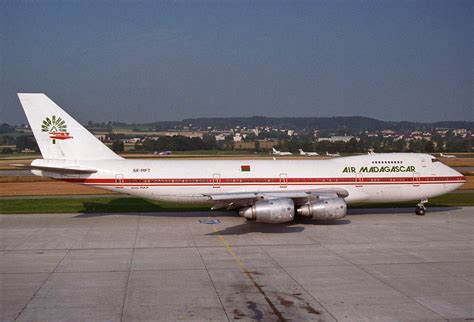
69,170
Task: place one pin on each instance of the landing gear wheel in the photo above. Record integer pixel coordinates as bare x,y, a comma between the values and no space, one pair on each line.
420,211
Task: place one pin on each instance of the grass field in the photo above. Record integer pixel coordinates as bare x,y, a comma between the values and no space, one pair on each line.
45,188
121,204
89,205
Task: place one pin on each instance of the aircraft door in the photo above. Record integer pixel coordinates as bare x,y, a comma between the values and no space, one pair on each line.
216,180
119,181
416,179
283,180
359,179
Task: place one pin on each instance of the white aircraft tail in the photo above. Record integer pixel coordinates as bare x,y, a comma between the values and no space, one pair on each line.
58,135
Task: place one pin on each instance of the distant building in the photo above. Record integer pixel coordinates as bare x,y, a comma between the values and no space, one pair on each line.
189,134
337,138
398,137
237,137
442,131
388,133
265,145
131,141
460,132
419,135
220,137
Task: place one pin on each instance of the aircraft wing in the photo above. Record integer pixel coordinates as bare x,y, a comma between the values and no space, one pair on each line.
241,199
60,170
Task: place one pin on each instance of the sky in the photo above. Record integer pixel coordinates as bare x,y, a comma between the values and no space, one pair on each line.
145,61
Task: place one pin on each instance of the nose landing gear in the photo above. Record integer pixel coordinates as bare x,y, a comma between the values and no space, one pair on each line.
420,209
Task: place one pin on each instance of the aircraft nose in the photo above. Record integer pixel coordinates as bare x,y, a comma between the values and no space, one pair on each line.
458,175
456,178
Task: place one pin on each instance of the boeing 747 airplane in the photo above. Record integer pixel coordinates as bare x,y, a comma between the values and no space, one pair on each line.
270,191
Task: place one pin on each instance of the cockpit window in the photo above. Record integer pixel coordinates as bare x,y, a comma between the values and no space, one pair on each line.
435,160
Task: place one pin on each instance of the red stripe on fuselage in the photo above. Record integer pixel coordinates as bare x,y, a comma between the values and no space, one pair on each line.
265,181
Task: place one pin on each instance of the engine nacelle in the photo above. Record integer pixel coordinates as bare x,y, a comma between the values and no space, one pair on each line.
273,211
324,209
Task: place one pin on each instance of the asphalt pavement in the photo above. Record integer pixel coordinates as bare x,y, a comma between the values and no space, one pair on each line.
385,264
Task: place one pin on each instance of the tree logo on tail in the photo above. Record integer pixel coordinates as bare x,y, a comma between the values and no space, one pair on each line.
56,128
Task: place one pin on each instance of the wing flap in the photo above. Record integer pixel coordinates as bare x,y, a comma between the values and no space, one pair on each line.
247,198
232,196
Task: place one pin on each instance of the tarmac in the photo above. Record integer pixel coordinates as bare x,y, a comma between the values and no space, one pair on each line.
384,264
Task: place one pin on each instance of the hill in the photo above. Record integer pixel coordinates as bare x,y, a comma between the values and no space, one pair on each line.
320,123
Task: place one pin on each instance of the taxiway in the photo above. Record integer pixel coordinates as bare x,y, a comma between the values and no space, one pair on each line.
375,264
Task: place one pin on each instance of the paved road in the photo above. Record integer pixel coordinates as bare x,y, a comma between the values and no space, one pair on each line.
376,264
16,173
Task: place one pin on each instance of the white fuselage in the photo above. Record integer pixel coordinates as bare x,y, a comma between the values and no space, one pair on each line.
367,178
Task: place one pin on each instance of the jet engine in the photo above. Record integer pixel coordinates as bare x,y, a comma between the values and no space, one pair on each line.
324,209
273,211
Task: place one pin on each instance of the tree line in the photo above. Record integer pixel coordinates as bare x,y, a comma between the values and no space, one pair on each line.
380,145
208,142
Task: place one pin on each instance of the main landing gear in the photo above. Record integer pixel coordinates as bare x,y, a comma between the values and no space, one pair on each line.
420,209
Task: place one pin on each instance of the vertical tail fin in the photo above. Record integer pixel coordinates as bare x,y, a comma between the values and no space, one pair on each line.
58,135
